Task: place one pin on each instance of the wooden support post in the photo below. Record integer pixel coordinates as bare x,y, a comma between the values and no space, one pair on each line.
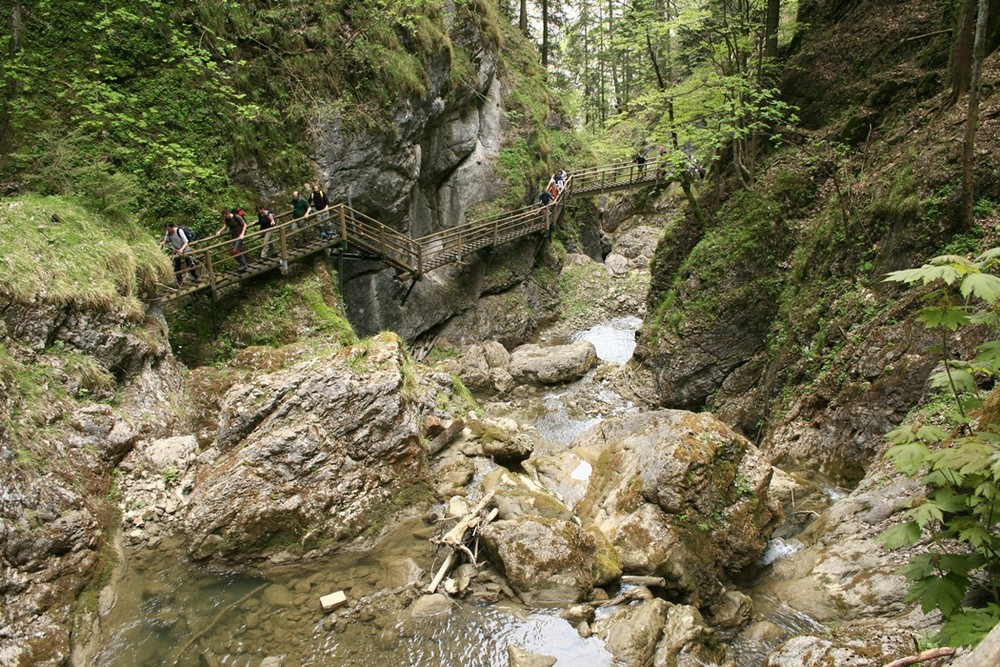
211,271
343,225
283,247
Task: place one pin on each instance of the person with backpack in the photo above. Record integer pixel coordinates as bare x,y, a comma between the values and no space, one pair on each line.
319,203
266,222
237,226
179,242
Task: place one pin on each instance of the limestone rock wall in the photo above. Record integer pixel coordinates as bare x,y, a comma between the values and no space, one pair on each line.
421,178
78,390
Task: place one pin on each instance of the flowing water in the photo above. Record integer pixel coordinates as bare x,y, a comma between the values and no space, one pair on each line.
170,611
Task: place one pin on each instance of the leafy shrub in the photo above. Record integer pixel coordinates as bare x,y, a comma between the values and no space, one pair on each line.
961,470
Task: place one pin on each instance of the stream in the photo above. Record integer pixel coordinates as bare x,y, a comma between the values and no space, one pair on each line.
170,611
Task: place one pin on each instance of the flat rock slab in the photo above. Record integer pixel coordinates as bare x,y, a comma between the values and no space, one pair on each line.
552,365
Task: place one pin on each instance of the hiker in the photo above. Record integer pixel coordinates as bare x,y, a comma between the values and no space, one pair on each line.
237,226
266,222
640,160
559,180
545,198
178,241
320,204
661,163
300,209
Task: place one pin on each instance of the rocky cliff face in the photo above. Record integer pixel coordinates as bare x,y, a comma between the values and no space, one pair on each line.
422,178
80,388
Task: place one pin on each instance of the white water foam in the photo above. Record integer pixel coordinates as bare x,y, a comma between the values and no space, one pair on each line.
778,549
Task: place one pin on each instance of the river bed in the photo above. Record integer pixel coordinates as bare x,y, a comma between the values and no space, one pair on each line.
170,611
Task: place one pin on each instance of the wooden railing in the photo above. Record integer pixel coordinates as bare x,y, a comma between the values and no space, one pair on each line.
211,264
619,176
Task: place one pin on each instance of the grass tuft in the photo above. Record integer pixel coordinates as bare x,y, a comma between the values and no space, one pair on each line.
54,250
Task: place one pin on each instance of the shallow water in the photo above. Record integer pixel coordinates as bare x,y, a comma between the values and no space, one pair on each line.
569,410
614,340
173,612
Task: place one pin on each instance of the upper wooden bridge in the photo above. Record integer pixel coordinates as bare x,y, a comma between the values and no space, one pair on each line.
351,233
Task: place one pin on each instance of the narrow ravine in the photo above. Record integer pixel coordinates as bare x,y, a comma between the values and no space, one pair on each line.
170,611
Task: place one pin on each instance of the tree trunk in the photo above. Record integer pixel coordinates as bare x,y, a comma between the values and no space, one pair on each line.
615,83
771,29
15,25
522,20
587,91
972,118
545,33
961,53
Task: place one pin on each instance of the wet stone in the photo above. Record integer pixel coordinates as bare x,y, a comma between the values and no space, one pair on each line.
277,595
431,605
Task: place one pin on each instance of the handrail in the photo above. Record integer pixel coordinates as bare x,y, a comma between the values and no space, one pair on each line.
215,265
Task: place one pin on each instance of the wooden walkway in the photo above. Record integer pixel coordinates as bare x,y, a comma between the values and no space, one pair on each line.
343,230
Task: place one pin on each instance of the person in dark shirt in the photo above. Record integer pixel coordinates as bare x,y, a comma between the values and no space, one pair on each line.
319,203
640,160
237,227
300,209
266,221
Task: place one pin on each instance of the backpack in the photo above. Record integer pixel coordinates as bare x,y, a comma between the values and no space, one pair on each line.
238,211
188,232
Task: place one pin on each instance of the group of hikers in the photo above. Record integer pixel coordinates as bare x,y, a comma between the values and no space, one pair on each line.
553,189
178,238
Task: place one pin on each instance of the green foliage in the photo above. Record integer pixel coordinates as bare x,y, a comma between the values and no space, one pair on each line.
733,262
901,203
961,472
169,474
141,108
984,208
304,307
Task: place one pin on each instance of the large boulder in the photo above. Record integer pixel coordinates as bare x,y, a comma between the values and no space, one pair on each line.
681,496
632,632
311,455
547,561
503,440
553,364
660,634
688,642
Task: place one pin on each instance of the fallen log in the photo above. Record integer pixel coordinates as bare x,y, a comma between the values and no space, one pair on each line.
446,437
455,538
924,656
659,582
